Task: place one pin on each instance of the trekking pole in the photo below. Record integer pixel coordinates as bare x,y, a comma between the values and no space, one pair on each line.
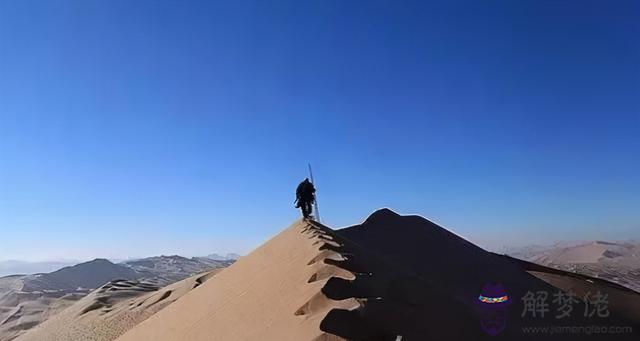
315,203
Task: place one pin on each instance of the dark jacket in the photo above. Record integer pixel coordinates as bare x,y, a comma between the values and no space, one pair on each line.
305,191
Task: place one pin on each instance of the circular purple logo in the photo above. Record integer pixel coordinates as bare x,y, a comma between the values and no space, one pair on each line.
492,303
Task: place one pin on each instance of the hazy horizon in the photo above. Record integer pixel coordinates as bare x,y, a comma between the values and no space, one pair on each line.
495,246
5,262
155,127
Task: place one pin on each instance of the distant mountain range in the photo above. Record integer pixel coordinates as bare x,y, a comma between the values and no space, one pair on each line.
163,270
88,275
19,267
229,256
27,300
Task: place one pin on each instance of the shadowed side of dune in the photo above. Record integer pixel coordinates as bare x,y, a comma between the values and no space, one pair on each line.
394,303
426,281
391,277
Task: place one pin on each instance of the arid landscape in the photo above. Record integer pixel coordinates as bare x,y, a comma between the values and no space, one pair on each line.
618,262
28,300
421,170
391,277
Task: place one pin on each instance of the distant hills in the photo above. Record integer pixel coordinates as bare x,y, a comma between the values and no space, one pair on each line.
163,270
27,300
113,309
229,256
618,262
88,275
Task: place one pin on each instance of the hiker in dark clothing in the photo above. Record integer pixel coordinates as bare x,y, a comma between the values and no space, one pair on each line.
305,197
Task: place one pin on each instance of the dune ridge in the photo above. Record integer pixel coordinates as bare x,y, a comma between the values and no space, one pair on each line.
390,278
274,293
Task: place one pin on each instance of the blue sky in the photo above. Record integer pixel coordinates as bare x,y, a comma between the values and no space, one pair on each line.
158,127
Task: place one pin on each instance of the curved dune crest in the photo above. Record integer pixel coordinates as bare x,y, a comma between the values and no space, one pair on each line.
391,277
274,293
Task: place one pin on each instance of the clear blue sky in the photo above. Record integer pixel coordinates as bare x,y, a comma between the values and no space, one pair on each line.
134,128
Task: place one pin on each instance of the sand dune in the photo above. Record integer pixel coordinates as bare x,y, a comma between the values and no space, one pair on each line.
392,277
274,293
111,310
584,253
28,300
20,311
459,269
618,262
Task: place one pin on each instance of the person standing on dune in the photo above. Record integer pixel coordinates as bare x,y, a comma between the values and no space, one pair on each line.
305,197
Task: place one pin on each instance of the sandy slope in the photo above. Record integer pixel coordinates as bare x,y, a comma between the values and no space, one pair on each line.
590,252
111,310
28,300
265,295
392,276
445,263
20,311
618,262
